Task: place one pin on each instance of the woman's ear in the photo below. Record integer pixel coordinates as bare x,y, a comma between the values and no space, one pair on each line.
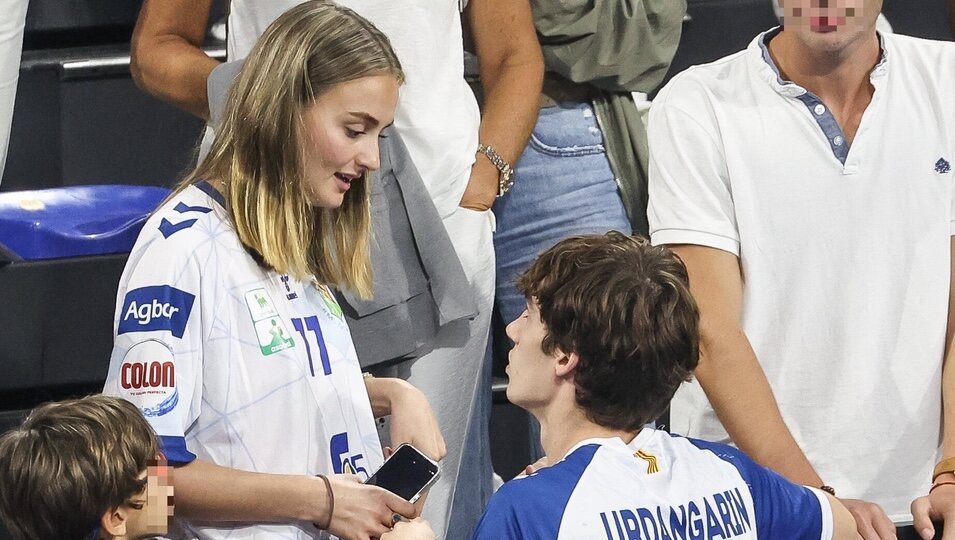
113,523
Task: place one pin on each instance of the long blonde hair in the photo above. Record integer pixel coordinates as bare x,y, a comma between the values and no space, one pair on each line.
258,148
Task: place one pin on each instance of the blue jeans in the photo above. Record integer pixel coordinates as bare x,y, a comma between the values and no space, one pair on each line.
563,187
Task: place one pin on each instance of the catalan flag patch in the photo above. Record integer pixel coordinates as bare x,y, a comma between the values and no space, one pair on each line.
652,465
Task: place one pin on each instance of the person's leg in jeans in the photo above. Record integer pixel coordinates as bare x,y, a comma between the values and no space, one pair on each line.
563,187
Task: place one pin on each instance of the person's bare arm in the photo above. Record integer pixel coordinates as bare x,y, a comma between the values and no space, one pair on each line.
412,420
167,59
729,372
843,524
208,492
736,385
512,71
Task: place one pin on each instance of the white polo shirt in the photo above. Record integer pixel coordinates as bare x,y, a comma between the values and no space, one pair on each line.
659,486
235,364
845,251
437,115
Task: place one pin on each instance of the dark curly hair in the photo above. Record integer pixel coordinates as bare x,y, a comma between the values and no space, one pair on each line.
625,308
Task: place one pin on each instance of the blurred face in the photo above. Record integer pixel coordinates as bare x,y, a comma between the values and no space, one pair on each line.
829,25
149,514
341,136
532,379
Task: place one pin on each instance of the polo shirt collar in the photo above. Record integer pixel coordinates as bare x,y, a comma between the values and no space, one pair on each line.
768,70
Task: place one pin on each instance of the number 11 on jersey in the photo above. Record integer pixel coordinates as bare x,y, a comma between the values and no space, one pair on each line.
311,323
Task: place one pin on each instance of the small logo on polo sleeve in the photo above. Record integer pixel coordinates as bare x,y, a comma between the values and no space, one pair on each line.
942,166
159,307
652,465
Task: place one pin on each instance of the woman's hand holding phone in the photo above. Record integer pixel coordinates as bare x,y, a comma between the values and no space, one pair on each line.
363,511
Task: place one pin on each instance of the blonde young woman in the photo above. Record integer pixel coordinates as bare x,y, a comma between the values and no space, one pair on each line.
228,337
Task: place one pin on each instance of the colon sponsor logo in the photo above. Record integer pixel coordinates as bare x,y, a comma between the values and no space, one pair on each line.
155,308
147,377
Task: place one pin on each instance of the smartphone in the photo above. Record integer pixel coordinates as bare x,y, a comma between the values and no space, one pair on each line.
407,473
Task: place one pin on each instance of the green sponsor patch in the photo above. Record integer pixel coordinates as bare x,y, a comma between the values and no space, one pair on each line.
269,328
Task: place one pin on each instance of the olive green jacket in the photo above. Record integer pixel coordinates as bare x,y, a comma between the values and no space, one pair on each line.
619,47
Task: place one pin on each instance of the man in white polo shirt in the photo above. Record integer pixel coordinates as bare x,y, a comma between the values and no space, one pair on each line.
807,183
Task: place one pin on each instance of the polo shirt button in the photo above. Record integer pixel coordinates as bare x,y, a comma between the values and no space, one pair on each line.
819,109
837,140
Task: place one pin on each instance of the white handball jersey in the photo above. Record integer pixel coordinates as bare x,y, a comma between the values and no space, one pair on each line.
234,364
657,487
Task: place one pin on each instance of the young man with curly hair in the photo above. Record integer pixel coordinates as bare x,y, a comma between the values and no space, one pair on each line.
609,333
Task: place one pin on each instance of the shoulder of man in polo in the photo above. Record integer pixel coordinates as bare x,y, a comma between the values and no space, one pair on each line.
609,333
807,184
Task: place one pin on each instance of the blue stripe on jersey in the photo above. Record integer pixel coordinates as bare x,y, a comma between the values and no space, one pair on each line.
783,509
174,448
533,507
168,228
183,208
207,188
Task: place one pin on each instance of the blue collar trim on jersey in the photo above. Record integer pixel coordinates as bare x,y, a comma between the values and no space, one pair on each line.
207,188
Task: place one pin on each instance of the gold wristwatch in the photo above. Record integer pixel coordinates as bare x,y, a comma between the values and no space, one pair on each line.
504,181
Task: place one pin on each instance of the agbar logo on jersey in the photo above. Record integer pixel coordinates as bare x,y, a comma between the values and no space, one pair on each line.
145,313
158,307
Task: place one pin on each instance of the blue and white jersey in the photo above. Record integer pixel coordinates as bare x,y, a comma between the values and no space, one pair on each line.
659,487
235,364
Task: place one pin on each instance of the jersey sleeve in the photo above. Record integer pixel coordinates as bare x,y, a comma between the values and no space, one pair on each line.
783,509
156,362
534,506
500,520
690,200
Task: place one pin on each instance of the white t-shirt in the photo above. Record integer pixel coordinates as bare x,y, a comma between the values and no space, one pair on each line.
234,364
845,252
658,486
437,115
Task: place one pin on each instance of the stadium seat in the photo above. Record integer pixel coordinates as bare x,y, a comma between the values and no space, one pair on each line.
75,221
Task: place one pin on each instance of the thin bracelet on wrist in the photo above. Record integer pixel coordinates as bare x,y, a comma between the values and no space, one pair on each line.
828,489
939,484
330,497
